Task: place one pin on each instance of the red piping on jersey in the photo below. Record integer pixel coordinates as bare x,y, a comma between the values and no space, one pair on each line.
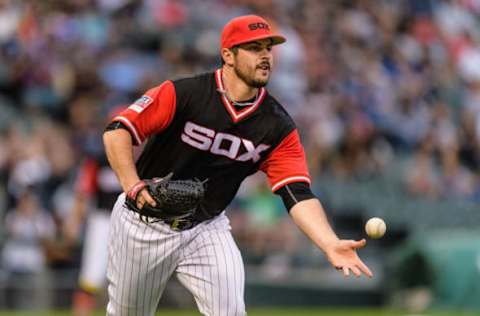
150,114
237,116
286,163
289,180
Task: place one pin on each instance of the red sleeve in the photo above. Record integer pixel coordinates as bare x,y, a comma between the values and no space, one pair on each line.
150,114
87,177
286,164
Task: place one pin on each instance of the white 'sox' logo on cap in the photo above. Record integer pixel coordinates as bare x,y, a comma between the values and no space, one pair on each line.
221,144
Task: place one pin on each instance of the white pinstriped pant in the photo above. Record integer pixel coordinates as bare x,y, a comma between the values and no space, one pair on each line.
142,258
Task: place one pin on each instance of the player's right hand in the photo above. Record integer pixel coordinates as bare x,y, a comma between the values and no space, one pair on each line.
140,195
145,197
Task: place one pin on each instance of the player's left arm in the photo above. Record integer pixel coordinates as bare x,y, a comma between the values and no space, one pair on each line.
287,172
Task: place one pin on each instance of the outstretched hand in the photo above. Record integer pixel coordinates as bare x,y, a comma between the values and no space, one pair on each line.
343,256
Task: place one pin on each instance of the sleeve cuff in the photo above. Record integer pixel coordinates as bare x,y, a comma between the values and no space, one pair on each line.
131,129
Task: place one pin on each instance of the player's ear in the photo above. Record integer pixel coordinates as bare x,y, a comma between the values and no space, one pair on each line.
227,56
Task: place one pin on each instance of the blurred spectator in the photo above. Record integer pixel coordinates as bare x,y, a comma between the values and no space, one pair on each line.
422,176
96,191
24,257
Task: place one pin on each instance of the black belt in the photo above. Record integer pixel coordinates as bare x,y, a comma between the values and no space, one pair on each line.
182,224
175,224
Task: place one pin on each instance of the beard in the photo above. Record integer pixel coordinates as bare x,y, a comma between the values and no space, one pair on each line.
249,77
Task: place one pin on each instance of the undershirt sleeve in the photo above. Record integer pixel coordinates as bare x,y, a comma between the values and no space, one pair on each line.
151,113
293,193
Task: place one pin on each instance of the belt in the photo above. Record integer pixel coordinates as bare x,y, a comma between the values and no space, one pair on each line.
179,224
182,224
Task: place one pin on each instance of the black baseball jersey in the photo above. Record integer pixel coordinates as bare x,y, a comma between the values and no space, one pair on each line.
193,130
98,181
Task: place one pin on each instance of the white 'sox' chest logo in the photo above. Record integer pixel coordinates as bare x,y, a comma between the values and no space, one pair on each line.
221,144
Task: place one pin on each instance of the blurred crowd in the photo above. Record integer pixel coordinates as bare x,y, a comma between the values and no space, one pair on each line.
367,81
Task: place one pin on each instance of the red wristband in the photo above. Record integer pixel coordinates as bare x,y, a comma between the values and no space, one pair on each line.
133,192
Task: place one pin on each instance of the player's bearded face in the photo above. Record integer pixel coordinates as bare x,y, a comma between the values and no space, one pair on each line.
253,63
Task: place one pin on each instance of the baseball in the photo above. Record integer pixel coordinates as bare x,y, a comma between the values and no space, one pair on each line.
375,227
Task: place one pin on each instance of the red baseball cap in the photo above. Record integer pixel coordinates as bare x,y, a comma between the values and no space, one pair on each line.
248,28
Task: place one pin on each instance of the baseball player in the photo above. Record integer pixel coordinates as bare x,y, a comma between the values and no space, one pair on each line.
219,128
97,188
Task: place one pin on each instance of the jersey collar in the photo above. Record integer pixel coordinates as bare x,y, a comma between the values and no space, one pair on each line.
237,115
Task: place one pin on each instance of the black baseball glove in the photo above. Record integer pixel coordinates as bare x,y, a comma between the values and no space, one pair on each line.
175,199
